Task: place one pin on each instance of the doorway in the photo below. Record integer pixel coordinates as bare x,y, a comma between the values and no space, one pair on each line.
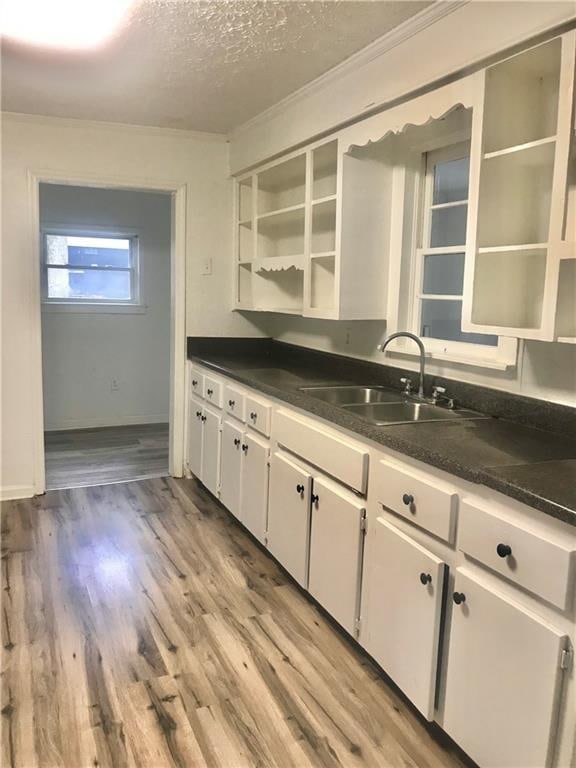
105,269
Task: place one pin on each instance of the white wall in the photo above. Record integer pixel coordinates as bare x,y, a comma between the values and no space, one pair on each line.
441,40
90,152
83,353
544,370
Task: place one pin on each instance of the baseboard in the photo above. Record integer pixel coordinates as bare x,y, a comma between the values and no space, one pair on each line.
13,492
106,422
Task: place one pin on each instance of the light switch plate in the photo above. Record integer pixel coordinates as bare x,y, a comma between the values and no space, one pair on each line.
206,267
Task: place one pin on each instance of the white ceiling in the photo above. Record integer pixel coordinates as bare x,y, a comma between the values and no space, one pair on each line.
206,65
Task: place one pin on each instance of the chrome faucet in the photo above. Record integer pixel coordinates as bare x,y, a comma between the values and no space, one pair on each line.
418,341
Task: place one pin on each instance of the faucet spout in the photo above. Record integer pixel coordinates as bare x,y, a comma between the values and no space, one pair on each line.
418,341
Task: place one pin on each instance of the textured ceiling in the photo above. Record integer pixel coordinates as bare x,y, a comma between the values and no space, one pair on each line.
206,65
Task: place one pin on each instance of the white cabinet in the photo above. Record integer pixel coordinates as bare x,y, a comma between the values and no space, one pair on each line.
518,188
504,679
254,485
231,467
194,436
289,516
336,544
401,611
210,472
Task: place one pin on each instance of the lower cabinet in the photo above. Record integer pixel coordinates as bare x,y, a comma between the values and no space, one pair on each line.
336,544
194,436
289,516
504,679
254,486
231,466
210,472
401,611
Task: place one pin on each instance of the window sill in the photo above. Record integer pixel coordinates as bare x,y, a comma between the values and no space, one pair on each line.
93,309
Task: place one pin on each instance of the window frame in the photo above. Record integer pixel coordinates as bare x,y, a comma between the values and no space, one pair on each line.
89,305
499,356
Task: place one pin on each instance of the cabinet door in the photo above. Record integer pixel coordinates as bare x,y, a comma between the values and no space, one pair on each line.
289,516
231,467
336,542
211,450
194,437
503,679
254,493
402,610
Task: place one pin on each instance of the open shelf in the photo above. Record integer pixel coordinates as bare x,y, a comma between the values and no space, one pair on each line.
245,199
323,233
521,98
283,185
324,170
515,196
509,288
322,282
282,234
278,263
520,147
322,254
282,212
280,291
244,286
566,304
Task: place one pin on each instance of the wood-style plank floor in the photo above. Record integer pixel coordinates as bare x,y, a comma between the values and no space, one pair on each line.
80,457
142,627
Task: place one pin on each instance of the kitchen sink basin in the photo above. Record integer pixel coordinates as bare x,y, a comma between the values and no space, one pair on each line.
408,412
344,395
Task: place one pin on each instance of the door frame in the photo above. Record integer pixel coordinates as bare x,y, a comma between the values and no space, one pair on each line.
178,192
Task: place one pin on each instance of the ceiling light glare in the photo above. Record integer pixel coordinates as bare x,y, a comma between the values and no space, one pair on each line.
67,24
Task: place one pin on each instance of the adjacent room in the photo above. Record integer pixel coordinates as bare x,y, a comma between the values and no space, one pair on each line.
288,384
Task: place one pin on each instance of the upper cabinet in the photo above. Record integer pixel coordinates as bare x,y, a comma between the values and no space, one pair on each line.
521,227
291,252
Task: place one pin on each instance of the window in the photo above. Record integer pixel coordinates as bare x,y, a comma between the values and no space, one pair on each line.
88,269
439,263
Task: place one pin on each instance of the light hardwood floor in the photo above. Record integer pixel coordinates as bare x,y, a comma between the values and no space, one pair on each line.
80,457
142,627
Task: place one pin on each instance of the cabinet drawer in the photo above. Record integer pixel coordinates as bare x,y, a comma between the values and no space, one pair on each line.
343,459
234,401
213,390
542,565
258,415
196,382
419,497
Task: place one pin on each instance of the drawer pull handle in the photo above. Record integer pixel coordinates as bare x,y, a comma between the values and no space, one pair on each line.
194,382
425,578
209,392
315,498
504,550
236,441
253,416
198,414
459,598
300,489
203,418
231,403
245,448
408,499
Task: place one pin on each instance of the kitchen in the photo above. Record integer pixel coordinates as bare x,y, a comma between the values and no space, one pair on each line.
364,552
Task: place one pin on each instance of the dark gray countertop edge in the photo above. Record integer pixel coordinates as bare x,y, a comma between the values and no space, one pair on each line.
339,418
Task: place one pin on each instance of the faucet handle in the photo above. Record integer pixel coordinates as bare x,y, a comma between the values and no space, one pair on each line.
438,391
407,384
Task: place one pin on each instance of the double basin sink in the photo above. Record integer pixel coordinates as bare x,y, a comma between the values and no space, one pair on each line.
381,406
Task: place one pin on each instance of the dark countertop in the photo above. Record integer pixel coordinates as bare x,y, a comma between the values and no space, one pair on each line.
534,465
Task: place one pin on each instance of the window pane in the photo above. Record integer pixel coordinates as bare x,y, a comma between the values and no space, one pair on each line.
98,285
443,273
442,320
88,251
448,226
451,181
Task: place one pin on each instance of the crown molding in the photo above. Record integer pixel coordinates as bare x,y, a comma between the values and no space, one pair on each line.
374,50
149,130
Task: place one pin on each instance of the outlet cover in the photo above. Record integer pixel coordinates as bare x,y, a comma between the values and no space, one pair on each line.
206,266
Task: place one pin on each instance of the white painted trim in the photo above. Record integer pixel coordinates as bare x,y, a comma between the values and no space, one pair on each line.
177,315
374,50
121,421
14,492
101,125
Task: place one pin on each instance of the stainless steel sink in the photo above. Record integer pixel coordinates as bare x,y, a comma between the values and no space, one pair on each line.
408,412
344,395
